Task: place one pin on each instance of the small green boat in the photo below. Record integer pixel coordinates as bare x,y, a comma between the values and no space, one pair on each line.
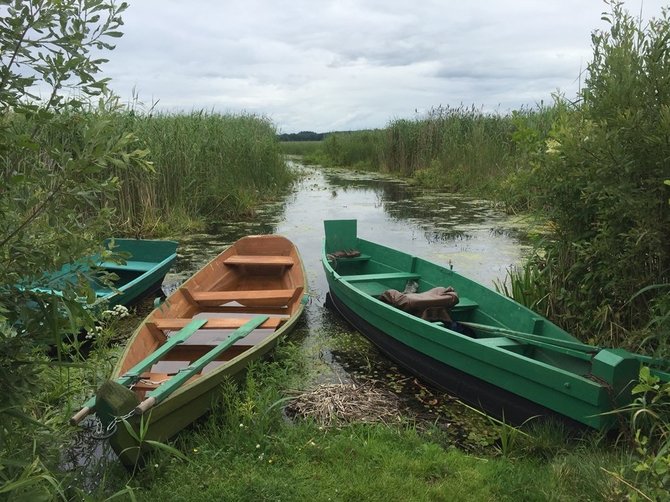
139,274
473,342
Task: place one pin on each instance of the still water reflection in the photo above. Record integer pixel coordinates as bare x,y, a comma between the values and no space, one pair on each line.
478,240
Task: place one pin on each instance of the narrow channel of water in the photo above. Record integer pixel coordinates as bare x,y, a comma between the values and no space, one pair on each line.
478,240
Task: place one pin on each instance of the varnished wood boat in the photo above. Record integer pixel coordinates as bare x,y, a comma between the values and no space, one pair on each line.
229,313
489,350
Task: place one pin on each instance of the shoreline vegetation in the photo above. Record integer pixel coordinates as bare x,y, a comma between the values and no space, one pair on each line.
72,172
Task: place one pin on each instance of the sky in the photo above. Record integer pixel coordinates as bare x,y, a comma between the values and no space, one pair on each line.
326,65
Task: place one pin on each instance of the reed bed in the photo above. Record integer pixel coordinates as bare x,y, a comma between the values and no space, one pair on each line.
458,148
300,147
206,165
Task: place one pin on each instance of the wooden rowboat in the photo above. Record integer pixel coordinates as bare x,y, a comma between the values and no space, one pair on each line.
487,349
139,275
231,312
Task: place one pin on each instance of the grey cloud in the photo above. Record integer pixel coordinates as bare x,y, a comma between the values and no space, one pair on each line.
352,63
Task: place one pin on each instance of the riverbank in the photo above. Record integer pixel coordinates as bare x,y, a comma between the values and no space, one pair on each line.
435,446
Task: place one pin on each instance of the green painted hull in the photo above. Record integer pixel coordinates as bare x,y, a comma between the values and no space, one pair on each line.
523,370
143,272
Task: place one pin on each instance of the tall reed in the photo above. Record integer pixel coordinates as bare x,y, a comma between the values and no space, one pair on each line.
205,165
459,148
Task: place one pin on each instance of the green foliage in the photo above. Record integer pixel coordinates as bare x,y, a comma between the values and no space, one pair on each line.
524,285
359,149
300,147
457,145
649,471
601,184
457,148
56,158
55,163
302,137
206,165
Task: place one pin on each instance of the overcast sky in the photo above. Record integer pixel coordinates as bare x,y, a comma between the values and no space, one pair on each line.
339,65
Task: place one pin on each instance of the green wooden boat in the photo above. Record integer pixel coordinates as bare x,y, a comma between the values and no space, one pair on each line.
231,312
489,350
141,273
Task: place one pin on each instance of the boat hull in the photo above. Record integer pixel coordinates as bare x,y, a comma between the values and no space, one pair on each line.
527,368
148,261
185,407
497,402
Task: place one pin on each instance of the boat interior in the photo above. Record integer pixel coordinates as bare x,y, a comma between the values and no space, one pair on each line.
481,314
258,275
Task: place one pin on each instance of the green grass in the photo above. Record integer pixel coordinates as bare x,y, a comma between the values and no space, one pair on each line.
364,462
246,449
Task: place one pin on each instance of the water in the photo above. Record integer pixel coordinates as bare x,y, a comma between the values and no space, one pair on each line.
470,234
479,241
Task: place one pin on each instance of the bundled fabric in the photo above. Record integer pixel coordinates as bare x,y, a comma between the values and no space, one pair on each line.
431,305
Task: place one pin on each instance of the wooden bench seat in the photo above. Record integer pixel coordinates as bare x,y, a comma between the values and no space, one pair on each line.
173,324
380,277
270,297
268,260
131,265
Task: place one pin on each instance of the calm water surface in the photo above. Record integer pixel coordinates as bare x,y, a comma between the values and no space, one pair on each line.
478,240
470,234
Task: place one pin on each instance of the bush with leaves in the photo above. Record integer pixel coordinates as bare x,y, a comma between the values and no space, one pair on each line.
602,184
57,151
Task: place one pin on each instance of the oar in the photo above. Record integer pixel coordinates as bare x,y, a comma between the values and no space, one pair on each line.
576,349
183,375
133,374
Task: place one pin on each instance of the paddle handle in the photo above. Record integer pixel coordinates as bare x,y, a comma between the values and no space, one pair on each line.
145,405
80,415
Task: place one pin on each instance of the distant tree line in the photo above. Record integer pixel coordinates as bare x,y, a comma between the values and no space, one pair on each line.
302,136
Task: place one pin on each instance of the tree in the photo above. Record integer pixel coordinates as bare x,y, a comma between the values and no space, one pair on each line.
57,149
603,185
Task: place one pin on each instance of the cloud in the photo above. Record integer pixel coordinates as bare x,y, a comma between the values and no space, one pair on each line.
352,64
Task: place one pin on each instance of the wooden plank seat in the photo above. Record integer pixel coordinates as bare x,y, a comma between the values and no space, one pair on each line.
270,297
173,324
267,260
380,277
131,265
